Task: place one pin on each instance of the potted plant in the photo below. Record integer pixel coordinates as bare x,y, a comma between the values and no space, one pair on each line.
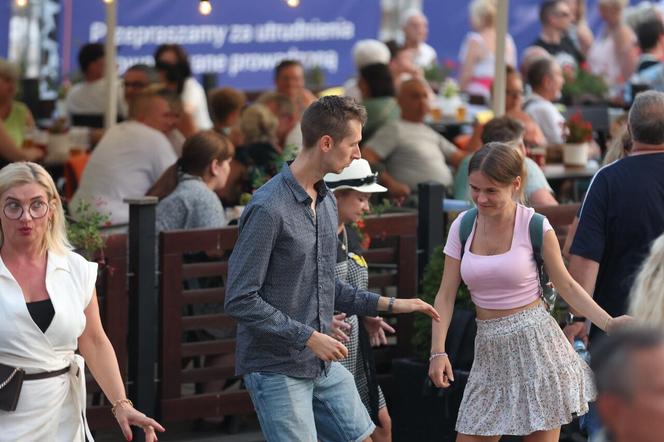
583,87
84,232
579,135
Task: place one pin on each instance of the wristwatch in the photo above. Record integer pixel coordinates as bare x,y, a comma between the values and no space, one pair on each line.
571,319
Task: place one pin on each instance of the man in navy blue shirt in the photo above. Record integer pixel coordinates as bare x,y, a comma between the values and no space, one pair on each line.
282,290
623,211
622,214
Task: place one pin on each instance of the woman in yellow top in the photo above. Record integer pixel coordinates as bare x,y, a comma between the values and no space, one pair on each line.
14,118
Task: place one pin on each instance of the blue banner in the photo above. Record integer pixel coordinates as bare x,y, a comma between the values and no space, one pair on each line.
449,23
5,13
240,40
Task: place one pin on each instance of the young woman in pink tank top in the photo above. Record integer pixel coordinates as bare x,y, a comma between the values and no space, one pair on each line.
526,378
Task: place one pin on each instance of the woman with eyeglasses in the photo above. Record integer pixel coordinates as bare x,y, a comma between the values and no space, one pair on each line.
50,323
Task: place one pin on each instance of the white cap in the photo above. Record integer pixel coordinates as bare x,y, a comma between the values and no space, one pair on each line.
370,51
357,176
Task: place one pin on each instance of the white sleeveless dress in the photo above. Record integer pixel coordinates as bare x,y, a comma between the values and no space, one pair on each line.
51,409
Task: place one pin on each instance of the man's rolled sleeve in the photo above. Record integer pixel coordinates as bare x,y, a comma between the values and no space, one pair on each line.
354,301
247,269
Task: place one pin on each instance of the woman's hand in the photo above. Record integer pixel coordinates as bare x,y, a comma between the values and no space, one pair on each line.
376,328
618,323
126,415
440,371
339,327
415,305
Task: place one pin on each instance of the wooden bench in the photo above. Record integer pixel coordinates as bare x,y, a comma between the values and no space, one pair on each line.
181,362
392,260
113,298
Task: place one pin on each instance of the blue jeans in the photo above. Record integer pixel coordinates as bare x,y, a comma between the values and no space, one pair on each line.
592,423
327,408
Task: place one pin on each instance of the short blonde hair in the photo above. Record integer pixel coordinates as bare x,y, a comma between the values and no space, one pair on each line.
8,71
258,124
647,295
20,173
482,13
619,3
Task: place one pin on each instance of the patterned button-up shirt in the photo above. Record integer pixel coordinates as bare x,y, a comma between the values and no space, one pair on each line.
281,286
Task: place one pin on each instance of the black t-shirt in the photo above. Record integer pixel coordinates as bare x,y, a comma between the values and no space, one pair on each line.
566,53
622,214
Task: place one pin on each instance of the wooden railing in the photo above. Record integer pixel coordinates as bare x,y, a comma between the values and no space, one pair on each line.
184,351
114,310
186,334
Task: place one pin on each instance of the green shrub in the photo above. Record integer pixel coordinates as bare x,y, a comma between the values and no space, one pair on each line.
433,274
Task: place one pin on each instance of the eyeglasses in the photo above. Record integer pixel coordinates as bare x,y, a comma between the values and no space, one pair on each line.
514,94
37,209
371,179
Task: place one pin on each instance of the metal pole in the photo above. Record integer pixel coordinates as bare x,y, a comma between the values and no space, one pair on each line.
143,306
429,220
499,74
110,74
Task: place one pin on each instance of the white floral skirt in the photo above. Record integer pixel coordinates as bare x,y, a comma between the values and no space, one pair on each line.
526,377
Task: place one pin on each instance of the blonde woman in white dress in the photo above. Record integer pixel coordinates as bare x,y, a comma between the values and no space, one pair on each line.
48,311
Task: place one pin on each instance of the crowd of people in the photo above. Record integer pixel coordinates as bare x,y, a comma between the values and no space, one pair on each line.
304,169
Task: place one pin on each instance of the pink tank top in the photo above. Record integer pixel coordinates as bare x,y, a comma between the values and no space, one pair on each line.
503,281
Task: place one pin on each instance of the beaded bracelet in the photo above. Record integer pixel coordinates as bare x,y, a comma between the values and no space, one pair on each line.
435,355
120,403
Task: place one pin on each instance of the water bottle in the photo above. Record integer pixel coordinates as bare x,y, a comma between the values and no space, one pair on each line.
581,350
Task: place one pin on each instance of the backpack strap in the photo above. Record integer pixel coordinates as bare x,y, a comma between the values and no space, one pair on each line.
536,231
466,227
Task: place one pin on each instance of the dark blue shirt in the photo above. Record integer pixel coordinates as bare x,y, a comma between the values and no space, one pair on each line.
281,284
622,214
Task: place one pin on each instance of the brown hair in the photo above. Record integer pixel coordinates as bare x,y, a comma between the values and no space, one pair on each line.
224,101
198,152
500,163
330,116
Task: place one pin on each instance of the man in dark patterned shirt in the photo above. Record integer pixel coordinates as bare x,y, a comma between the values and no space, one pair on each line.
282,290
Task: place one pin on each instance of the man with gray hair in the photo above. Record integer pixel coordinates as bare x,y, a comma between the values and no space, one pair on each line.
415,26
623,211
629,373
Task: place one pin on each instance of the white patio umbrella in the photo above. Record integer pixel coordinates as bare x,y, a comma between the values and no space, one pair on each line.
110,74
499,75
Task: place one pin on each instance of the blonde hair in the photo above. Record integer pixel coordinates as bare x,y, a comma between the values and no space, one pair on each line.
258,124
619,146
619,3
482,13
647,295
8,71
20,173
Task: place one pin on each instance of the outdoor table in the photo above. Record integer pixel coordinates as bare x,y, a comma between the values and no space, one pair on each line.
558,173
